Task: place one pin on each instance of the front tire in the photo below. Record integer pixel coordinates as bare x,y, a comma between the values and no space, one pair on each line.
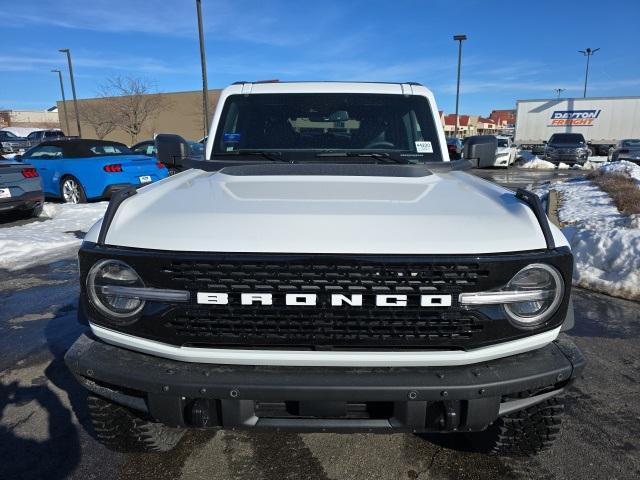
121,430
521,434
71,190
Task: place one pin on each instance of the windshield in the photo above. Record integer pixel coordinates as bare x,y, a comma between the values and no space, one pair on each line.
634,143
302,126
566,138
8,134
503,142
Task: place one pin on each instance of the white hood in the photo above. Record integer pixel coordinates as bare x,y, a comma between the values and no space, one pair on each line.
442,213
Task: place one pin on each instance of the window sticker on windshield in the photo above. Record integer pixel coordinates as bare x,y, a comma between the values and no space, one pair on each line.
231,137
424,147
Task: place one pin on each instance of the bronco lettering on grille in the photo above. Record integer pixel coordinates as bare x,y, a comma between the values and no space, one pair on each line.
336,300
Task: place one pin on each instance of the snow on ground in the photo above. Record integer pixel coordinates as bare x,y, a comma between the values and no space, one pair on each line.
605,243
41,242
538,163
623,166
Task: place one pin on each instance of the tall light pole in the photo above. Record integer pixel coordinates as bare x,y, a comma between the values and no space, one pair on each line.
73,89
64,100
559,91
587,53
459,39
203,64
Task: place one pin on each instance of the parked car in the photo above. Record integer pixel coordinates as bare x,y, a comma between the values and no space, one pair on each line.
628,149
80,170
148,147
336,272
11,143
454,147
506,152
20,188
34,138
566,147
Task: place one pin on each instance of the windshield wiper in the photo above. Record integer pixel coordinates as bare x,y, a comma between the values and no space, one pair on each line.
383,156
272,156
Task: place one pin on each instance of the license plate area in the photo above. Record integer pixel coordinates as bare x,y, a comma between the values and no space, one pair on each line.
145,179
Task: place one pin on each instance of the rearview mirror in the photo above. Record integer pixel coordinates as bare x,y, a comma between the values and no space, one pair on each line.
171,149
480,150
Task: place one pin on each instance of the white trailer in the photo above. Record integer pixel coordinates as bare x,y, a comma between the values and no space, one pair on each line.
601,120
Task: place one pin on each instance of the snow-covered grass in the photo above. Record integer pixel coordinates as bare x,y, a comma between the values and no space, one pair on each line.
41,242
605,243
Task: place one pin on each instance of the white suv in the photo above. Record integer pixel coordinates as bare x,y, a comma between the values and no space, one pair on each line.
326,268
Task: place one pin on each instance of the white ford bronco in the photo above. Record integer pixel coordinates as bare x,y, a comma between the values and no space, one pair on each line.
325,268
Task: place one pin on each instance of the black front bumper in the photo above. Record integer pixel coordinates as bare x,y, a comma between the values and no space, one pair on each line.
462,398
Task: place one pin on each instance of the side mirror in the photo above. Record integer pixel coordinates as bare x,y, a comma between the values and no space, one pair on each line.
171,149
480,150
18,158
544,142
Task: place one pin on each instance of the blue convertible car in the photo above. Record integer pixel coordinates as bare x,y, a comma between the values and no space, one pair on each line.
79,170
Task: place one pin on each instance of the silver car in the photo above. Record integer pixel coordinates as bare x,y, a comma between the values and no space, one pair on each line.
628,149
20,188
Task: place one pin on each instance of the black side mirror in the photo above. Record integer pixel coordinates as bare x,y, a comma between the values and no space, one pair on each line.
544,142
480,150
18,158
171,149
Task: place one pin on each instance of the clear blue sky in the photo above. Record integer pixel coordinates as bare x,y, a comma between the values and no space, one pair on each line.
515,49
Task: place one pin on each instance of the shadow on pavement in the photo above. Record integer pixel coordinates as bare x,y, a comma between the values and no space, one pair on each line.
57,454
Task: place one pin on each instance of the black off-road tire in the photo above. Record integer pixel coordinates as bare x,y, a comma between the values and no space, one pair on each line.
120,430
521,434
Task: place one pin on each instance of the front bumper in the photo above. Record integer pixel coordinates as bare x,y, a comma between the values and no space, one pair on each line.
419,399
25,201
566,157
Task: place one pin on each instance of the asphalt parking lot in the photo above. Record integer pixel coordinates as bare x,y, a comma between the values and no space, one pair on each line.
43,420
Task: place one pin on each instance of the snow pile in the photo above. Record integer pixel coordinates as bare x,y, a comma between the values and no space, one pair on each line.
41,242
538,163
605,243
623,166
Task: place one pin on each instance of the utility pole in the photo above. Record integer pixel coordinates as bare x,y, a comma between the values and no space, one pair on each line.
203,64
64,100
587,53
73,89
559,91
459,39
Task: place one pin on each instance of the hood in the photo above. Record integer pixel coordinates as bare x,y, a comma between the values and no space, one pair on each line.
440,213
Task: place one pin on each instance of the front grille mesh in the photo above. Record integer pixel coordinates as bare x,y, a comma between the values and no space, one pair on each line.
366,326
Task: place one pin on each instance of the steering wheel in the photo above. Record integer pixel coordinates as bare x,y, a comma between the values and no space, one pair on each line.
379,144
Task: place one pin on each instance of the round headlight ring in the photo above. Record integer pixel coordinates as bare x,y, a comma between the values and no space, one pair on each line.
542,314
117,309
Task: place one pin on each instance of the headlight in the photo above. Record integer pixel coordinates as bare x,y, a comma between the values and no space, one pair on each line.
545,288
102,286
530,298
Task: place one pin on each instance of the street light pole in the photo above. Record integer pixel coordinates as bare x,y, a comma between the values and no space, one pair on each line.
73,89
459,39
64,100
587,53
559,91
203,64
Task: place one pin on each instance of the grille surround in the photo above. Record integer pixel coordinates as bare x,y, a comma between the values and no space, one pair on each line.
323,326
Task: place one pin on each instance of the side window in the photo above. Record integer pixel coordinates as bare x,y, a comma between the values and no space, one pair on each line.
47,152
52,134
32,136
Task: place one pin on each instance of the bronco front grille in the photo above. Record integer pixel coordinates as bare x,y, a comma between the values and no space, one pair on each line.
322,325
325,277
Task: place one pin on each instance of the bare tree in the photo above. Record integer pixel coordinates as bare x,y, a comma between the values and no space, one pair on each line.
101,116
134,103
